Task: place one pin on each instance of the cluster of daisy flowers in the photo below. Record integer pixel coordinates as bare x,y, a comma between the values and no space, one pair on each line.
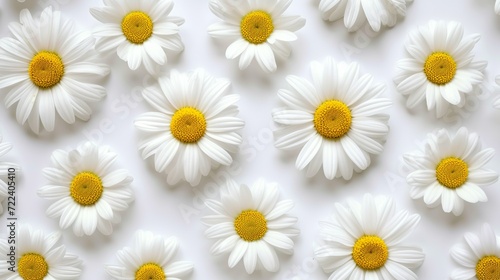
338,120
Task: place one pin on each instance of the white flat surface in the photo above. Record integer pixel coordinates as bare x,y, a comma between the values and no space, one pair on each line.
158,207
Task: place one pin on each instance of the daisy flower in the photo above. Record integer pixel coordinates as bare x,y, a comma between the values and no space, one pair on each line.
193,128
87,194
357,12
450,170
479,257
251,224
338,120
365,241
139,31
258,29
49,67
37,256
440,68
149,258
4,172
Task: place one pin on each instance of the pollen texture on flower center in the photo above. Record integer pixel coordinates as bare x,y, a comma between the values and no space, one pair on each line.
370,252
452,172
250,225
150,271
46,69
137,27
332,119
256,27
32,266
440,68
488,268
86,188
188,125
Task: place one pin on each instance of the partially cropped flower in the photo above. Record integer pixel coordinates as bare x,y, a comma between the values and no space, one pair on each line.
366,241
193,127
150,258
450,170
49,67
88,194
357,12
250,224
259,30
478,256
497,7
338,121
440,69
6,174
38,256
139,31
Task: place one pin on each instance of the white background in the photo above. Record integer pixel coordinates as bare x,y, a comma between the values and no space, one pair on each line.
158,207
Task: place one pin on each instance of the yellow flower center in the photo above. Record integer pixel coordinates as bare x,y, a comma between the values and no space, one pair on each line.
452,172
150,271
32,266
370,252
488,268
440,68
137,27
188,125
256,27
46,69
86,188
250,225
332,119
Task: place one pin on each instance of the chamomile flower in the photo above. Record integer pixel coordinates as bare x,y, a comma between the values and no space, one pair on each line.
139,31
251,224
4,173
259,30
450,170
365,241
149,258
338,120
49,67
440,68
87,194
193,127
478,257
38,256
356,12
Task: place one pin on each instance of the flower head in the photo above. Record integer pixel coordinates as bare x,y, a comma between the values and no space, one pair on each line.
49,67
365,241
39,256
450,170
250,224
193,127
87,194
440,68
338,120
139,31
150,258
478,257
259,30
